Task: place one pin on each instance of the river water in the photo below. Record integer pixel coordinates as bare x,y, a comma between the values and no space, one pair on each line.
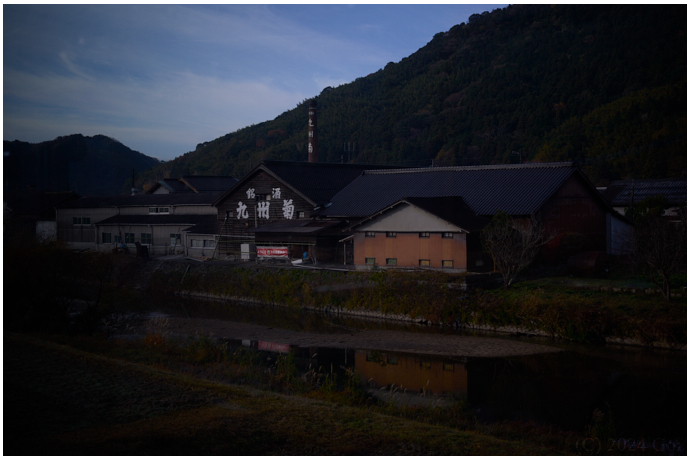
642,392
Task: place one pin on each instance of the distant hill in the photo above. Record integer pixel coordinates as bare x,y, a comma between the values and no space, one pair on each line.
96,165
514,83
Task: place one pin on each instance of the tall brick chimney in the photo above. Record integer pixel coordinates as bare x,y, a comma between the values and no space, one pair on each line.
313,147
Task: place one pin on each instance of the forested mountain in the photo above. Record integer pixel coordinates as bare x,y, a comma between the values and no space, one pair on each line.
97,165
604,85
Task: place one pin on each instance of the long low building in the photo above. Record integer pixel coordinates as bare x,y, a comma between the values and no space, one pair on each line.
155,221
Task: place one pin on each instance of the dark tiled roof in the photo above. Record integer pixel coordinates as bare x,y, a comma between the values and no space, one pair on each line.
168,199
174,185
620,192
318,181
515,189
208,226
147,219
203,184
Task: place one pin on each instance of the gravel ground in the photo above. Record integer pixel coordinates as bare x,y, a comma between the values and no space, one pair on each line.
408,342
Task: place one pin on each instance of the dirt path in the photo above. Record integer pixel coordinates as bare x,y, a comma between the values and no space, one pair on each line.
408,342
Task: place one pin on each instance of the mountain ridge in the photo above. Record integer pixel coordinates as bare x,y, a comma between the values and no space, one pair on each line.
87,165
489,91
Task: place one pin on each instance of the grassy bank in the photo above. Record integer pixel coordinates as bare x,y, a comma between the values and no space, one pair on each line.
85,396
550,305
583,314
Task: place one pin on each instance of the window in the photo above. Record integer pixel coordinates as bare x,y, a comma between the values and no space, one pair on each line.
425,364
129,238
392,261
391,234
447,264
209,243
146,238
424,262
370,260
424,234
117,239
106,237
300,215
81,221
175,239
197,243
391,360
370,234
159,210
447,235
448,367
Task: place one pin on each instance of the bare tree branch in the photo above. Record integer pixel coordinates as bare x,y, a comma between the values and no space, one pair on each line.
513,244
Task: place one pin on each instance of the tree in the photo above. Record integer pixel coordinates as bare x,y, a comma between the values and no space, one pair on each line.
659,244
513,244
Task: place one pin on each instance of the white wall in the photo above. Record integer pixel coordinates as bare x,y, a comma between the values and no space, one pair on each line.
617,235
406,218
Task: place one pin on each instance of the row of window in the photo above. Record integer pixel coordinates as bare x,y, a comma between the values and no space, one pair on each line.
147,238
130,238
81,221
395,234
203,243
393,261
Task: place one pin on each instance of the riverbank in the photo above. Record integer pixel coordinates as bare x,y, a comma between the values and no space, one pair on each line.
559,308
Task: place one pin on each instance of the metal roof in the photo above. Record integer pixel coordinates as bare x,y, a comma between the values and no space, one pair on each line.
620,192
167,199
173,219
515,189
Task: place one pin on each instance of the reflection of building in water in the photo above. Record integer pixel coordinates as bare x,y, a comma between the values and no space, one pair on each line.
414,374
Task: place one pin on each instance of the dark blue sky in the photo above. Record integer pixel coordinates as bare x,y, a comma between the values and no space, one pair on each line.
163,78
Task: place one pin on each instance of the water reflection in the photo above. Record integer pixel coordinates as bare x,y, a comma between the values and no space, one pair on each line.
414,374
644,391
563,389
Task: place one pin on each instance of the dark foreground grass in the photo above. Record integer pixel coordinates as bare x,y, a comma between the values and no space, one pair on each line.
60,400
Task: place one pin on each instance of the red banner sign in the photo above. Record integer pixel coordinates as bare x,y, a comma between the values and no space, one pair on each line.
276,252
272,346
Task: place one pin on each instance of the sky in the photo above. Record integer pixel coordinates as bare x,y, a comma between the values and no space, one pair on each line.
163,78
